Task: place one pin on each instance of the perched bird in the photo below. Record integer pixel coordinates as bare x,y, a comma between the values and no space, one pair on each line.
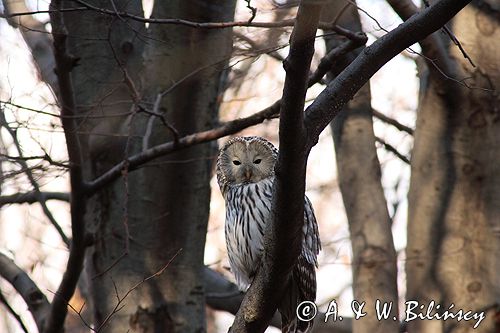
245,173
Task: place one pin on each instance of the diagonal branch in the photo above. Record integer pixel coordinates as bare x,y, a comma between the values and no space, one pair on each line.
135,161
37,303
329,103
392,149
391,121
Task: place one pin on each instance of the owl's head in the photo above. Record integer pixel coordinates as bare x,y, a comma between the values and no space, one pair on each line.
246,160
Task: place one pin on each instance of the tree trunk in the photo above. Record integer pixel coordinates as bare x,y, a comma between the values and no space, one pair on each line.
453,252
141,221
374,257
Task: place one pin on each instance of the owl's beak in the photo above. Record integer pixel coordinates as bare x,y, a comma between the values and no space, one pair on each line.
248,174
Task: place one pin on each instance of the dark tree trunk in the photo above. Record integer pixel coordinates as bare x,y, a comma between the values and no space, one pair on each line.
453,253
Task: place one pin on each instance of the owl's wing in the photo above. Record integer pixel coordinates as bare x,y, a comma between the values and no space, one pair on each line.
302,285
311,244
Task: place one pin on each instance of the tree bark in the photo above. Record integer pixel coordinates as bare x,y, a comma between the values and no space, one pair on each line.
142,220
453,252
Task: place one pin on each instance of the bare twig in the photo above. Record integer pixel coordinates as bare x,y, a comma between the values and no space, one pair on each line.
453,38
30,13
253,10
32,197
137,160
85,6
393,150
257,49
392,122
45,157
200,25
37,303
455,41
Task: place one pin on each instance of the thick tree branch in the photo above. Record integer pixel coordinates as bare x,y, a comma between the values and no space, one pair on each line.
64,65
340,90
283,239
37,303
32,197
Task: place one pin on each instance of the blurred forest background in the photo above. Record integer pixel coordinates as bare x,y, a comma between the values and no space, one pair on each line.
151,228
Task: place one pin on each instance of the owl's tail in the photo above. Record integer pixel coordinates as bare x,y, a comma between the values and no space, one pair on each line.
302,287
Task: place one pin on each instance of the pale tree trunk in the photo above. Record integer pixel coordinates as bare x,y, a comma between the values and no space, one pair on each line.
374,256
141,221
453,253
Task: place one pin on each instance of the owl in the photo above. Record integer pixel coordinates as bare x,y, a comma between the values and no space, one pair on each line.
245,173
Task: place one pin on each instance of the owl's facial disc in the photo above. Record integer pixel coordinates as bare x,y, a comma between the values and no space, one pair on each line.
249,163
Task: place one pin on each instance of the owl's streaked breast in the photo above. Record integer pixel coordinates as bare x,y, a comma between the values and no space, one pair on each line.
248,208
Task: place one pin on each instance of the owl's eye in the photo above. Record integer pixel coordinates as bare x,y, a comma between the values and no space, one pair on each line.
257,161
236,162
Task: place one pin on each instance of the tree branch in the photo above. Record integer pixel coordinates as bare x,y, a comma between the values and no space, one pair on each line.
329,103
37,303
393,150
283,239
134,161
392,122
32,197
64,65
85,6
358,40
